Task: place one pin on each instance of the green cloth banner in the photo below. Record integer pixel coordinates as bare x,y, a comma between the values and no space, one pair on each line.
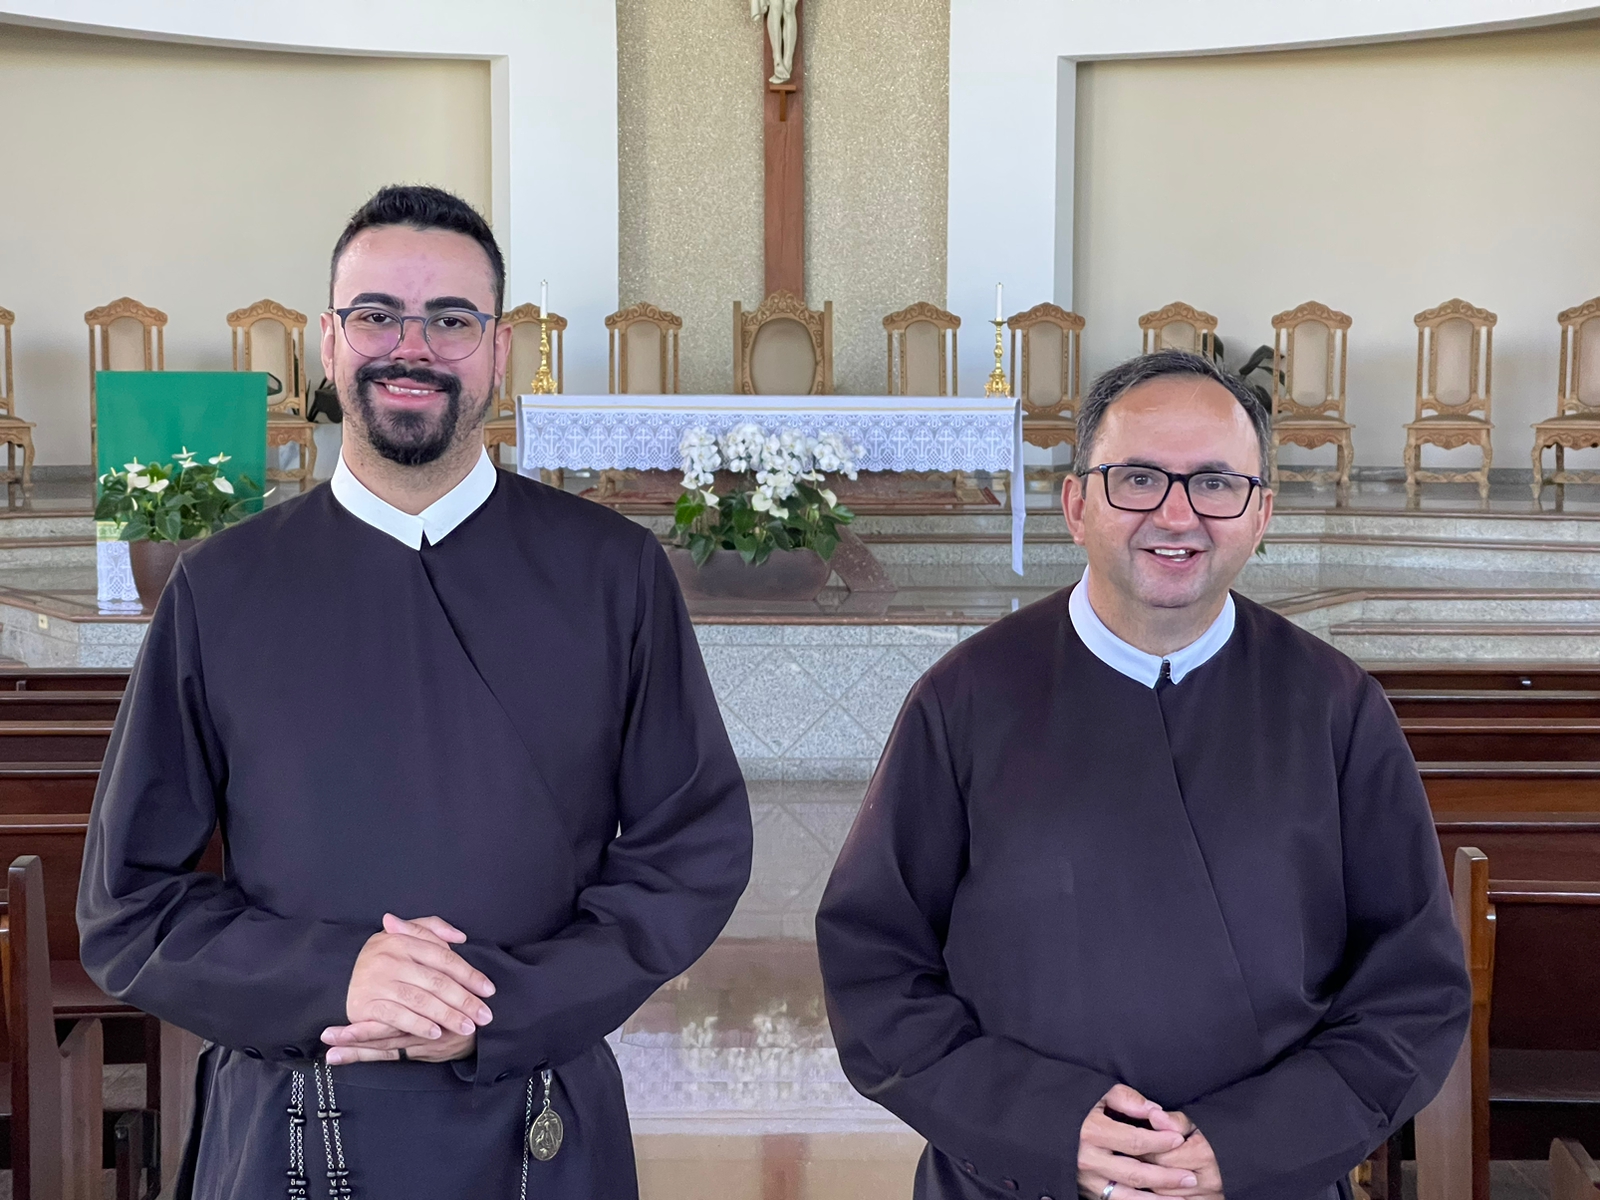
152,415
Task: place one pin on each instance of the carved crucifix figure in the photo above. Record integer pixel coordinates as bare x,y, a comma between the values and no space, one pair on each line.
783,33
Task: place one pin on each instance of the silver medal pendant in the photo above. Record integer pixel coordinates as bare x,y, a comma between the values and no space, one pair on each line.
546,1132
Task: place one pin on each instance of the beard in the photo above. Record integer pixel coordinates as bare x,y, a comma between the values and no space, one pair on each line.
412,439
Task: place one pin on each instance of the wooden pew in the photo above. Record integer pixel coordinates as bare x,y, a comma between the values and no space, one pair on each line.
1525,845
1503,739
1471,702
1573,1174
1497,787
1529,1069
171,1053
69,679
53,741
59,705
54,1098
1489,677
46,787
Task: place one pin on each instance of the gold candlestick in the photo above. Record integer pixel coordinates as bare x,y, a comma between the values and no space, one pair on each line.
997,385
544,383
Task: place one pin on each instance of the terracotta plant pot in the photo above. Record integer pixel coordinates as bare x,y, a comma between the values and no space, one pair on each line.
786,575
152,564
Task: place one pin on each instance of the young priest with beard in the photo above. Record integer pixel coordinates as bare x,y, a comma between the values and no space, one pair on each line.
476,797
1145,897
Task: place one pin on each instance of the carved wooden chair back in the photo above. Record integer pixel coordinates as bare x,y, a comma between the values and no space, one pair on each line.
523,361
123,336
1178,326
783,348
1048,375
643,342
1455,359
8,395
1579,387
269,337
922,359
1309,347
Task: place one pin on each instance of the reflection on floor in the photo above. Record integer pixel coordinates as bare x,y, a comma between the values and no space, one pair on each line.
735,1091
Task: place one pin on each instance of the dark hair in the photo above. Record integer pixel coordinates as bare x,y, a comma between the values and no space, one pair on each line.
424,208
1124,377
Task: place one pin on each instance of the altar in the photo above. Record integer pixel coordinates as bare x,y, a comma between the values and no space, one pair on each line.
957,434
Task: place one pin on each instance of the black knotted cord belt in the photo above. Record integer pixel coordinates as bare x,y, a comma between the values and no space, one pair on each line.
328,1115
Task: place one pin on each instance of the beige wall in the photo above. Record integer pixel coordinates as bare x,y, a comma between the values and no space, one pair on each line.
1380,180
198,180
690,113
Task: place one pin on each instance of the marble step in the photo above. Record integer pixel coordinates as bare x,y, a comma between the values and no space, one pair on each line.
16,527
46,551
1433,626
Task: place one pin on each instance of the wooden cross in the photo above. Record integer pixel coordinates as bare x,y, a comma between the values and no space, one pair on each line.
785,244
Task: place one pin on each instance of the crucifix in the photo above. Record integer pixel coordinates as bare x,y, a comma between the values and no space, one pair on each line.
785,243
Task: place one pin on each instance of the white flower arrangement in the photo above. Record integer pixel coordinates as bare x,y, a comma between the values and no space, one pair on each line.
787,508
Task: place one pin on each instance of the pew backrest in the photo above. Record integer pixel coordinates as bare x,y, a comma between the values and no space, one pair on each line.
36,1144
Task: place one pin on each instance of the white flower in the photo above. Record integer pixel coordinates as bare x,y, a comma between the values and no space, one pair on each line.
138,481
222,485
710,498
133,468
185,456
157,487
742,446
700,458
219,459
828,495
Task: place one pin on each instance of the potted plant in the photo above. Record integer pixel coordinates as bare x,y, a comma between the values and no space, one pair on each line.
163,510
755,520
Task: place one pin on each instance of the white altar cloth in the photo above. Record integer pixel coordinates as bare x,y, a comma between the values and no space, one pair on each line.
896,433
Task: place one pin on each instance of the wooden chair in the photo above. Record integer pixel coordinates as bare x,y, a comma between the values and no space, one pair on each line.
521,366
1455,358
1532,1052
922,357
643,341
115,350
1576,425
1573,1174
783,348
1178,327
1048,376
15,432
54,1098
284,355
1309,345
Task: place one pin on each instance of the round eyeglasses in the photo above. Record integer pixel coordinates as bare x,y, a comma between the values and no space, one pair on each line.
1222,495
452,333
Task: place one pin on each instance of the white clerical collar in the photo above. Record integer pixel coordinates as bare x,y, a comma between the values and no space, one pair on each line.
434,522
1134,662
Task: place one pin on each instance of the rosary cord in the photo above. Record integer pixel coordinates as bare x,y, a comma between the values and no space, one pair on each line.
297,1138
527,1132
328,1115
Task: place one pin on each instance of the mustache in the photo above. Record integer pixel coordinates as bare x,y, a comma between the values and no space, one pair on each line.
379,373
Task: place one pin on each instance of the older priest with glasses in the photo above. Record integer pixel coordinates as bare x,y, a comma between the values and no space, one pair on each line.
1145,898
476,797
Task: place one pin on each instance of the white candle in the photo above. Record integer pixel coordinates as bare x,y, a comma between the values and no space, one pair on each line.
999,303
544,296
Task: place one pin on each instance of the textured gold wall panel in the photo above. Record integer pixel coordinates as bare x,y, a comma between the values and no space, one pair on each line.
877,152
877,164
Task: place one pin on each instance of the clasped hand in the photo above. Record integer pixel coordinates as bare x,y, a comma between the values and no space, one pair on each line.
1170,1158
410,991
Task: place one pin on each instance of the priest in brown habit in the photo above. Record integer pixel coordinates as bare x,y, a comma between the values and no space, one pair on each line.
1145,897
475,794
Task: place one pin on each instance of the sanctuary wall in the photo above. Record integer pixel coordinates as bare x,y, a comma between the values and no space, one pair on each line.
691,183
198,180
1381,180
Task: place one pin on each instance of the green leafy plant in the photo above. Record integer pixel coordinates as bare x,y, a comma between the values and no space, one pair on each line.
772,493
174,503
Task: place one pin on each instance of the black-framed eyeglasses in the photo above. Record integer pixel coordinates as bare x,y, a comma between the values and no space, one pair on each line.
374,331
1222,495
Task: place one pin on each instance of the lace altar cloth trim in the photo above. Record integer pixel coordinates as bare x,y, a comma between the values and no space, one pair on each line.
599,433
